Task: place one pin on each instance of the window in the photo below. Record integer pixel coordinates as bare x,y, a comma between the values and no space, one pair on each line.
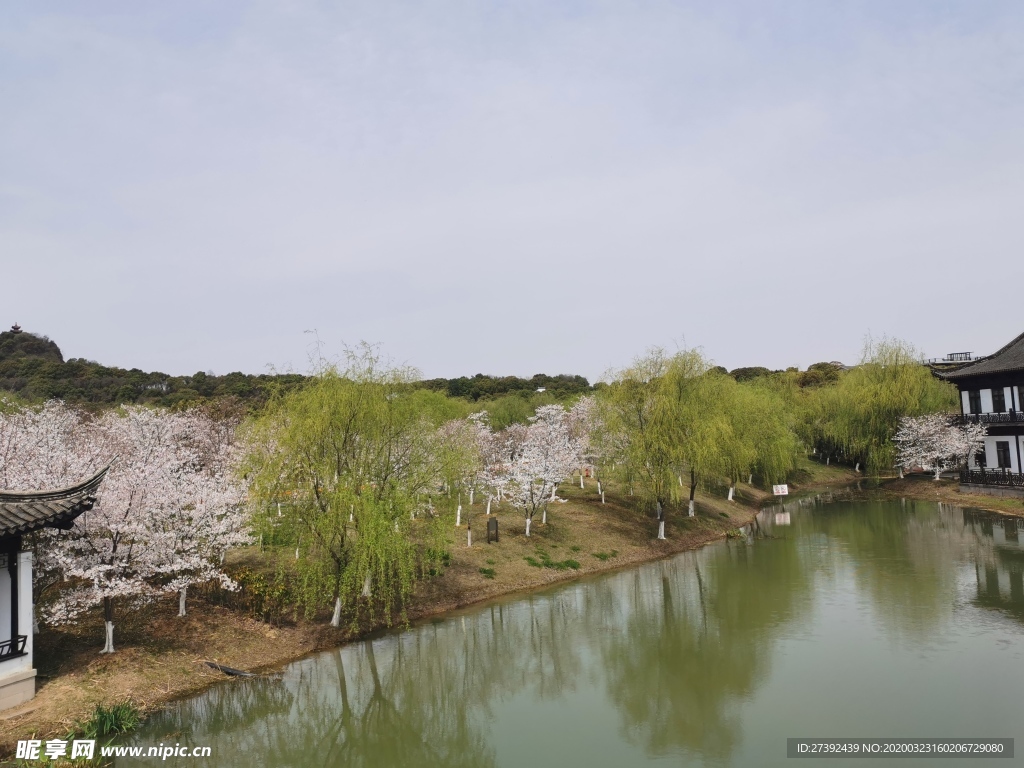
998,400
975,397
1003,453
979,459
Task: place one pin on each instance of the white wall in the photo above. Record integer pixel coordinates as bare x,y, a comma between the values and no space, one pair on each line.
986,401
5,604
965,401
992,458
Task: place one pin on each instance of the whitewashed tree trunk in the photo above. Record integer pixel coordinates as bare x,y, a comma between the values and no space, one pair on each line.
488,505
553,489
938,471
661,529
528,526
458,516
181,601
691,512
901,472
109,646
750,479
581,479
602,497
856,467
630,489
681,481
469,536
599,486
732,491
352,513
336,617
367,585
471,490
544,516
827,460
278,509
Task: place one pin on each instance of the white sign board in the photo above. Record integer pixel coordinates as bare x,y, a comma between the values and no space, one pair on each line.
780,490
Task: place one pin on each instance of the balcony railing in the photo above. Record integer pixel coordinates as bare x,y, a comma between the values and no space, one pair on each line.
13,647
993,418
991,477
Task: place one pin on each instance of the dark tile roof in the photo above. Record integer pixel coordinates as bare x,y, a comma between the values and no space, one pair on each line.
26,511
1009,358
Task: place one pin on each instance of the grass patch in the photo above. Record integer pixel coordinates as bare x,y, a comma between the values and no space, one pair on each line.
108,721
543,560
487,573
575,548
605,556
490,562
723,514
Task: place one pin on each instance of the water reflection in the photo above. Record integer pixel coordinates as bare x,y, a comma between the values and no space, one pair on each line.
674,653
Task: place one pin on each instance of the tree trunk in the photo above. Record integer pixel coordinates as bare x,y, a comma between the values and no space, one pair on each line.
750,479
581,478
553,489
458,517
693,490
108,624
602,497
938,471
544,516
856,467
336,617
528,526
181,601
367,585
469,536
732,491
599,486
661,529
827,460
471,490
488,505
901,472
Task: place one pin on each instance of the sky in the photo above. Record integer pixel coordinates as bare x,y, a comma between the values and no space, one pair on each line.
510,187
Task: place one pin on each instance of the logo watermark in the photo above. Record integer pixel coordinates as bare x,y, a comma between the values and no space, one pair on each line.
85,749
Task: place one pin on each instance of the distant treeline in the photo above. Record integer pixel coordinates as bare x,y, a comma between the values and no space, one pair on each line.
33,368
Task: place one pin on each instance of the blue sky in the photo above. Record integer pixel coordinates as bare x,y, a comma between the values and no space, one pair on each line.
510,187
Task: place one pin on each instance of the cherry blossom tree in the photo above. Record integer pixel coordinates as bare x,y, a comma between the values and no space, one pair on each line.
166,511
936,441
540,456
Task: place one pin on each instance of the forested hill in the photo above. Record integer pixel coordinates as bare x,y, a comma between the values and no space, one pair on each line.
33,368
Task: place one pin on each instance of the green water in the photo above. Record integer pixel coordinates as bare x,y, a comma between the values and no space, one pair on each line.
831,619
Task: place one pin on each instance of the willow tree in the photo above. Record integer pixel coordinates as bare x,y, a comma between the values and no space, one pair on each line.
660,416
861,413
762,439
354,453
696,400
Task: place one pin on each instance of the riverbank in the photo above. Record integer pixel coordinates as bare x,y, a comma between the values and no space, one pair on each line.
160,657
925,488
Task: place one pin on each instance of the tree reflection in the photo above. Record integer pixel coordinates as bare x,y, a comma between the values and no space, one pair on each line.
699,643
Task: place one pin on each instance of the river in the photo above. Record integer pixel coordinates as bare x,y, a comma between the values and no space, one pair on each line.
831,619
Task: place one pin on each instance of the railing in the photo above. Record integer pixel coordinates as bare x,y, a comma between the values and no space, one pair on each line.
992,418
991,477
13,647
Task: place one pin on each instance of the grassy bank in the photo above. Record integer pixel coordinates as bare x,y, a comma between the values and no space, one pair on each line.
160,656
